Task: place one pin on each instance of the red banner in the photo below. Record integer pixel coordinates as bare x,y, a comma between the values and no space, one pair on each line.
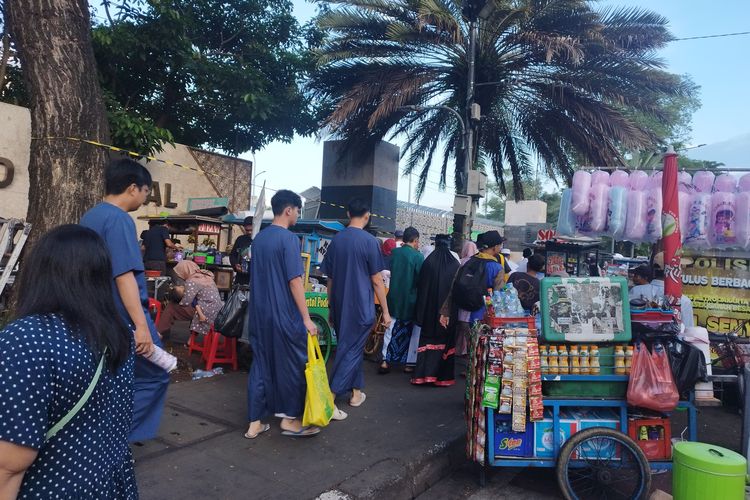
670,221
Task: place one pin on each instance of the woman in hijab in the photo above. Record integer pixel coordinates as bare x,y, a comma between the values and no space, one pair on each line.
463,327
200,299
436,353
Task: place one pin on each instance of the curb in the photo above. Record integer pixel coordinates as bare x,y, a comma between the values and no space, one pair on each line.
396,480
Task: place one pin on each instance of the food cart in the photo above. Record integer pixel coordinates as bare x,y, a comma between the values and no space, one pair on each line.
559,400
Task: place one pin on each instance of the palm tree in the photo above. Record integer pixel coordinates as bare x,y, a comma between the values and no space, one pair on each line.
556,80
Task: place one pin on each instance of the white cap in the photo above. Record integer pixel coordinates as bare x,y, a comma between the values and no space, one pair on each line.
505,251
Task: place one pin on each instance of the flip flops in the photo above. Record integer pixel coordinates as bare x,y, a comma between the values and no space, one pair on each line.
264,428
361,400
303,432
339,415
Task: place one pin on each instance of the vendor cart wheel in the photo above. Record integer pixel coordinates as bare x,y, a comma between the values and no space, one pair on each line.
602,463
325,338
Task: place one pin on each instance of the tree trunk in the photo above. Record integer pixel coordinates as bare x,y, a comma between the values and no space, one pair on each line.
53,40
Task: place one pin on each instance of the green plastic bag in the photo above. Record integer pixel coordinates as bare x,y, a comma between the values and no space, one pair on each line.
319,405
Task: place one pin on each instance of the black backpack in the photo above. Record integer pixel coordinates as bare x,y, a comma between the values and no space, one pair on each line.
470,285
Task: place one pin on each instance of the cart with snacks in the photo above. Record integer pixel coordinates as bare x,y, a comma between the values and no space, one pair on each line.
558,399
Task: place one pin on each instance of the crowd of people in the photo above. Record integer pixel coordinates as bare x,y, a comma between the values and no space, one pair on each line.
86,384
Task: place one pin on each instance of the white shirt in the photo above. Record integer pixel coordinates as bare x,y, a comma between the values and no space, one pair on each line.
522,265
656,289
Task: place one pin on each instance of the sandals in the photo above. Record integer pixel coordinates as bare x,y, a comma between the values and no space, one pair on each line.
303,432
339,415
264,428
361,400
382,370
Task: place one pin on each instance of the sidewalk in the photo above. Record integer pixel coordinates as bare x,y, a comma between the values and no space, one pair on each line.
400,442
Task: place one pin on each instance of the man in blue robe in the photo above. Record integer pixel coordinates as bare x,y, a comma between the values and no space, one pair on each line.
279,322
127,184
353,264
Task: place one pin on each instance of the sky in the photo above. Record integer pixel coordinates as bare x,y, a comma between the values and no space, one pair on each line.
718,65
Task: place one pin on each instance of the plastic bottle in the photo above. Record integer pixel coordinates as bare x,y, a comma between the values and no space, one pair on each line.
552,362
628,358
575,360
162,359
653,433
643,433
594,365
619,360
562,362
197,374
543,358
585,369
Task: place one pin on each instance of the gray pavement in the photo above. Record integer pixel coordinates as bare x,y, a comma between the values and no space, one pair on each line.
401,441
404,442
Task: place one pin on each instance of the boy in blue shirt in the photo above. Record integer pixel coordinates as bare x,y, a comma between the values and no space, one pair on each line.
128,184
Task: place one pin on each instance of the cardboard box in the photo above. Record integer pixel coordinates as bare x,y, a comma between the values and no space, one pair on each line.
601,417
543,444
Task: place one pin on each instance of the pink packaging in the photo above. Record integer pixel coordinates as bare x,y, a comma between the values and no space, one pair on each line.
725,183
653,214
698,217
723,223
581,192
600,177
703,181
619,178
638,180
743,220
598,209
635,225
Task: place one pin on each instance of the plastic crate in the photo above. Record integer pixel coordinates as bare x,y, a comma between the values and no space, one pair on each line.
509,443
655,449
567,316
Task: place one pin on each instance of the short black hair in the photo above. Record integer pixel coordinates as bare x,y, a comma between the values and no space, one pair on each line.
536,263
283,199
249,220
64,274
644,272
120,174
410,234
527,252
358,207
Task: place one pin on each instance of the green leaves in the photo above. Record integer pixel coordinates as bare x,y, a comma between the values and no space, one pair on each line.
215,74
563,82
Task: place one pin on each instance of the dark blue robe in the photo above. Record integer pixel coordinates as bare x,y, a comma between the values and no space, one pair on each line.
117,229
276,385
351,259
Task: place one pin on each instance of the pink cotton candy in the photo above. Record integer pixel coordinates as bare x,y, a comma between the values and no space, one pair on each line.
598,209
684,207
743,219
725,183
703,181
635,226
619,178
653,214
638,180
698,217
581,193
600,177
723,224
744,184
654,180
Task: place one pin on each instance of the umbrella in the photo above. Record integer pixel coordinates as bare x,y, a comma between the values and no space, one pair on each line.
671,232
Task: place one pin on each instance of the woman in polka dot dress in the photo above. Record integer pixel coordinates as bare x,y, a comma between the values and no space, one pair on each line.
48,358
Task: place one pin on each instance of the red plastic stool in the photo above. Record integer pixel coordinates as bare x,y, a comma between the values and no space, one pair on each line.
219,349
155,305
195,345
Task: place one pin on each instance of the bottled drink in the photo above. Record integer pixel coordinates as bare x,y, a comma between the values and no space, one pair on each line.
594,366
628,358
543,358
575,360
562,362
554,368
643,433
619,360
162,359
585,370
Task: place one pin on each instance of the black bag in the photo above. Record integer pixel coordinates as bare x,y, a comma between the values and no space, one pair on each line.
231,318
688,365
470,285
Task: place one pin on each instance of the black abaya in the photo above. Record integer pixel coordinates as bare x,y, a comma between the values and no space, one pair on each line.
436,353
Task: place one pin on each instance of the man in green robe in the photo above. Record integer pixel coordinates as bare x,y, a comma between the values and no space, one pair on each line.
406,262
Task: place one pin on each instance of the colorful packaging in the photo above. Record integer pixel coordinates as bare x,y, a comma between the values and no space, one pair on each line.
509,443
543,444
490,398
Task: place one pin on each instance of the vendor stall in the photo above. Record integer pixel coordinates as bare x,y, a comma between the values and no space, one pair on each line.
560,399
